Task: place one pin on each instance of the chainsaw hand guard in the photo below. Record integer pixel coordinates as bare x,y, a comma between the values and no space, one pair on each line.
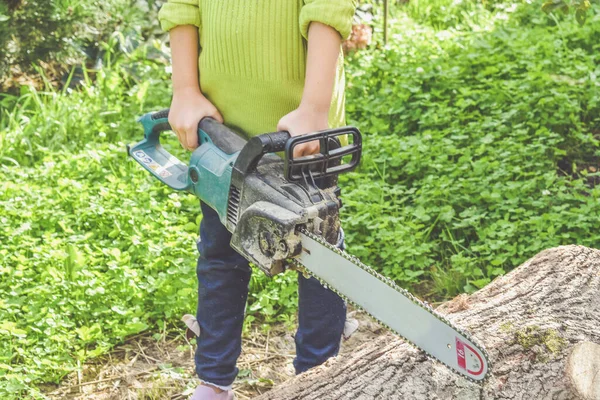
330,161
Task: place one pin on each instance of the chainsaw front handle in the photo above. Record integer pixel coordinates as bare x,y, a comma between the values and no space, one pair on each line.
332,158
257,147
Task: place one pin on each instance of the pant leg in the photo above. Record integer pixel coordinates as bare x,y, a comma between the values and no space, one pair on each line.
223,277
321,318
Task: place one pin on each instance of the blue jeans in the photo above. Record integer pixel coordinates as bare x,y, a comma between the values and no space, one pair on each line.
223,277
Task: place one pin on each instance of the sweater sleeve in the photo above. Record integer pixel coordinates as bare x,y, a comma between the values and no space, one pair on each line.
337,14
179,12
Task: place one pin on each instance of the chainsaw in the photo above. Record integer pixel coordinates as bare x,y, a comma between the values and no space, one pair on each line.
283,213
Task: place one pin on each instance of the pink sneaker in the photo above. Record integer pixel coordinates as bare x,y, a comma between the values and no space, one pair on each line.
204,392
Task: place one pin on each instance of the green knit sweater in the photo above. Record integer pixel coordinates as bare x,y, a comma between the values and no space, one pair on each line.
253,55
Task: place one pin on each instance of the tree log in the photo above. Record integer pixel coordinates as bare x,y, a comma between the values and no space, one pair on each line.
529,320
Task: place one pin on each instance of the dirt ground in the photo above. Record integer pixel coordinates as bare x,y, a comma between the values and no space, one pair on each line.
149,369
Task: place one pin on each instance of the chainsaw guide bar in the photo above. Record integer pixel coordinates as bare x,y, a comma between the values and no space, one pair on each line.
393,307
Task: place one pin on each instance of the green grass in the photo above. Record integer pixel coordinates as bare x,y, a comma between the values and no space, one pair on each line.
481,125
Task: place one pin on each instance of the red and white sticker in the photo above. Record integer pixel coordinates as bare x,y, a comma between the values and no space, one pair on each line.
468,358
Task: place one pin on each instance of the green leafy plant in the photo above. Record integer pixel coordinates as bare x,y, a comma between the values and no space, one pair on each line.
60,34
581,8
476,156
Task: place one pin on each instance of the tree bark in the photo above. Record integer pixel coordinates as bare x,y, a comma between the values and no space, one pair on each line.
529,321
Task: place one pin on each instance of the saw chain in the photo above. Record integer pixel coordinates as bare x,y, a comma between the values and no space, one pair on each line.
305,270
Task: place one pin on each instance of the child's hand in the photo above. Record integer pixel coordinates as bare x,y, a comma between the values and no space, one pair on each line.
304,120
188,107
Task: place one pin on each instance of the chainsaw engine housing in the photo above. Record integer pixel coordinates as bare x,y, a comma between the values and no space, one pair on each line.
265,211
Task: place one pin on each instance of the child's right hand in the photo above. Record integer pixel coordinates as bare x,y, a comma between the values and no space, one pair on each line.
188,107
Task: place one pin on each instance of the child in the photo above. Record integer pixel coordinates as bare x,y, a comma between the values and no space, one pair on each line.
258,67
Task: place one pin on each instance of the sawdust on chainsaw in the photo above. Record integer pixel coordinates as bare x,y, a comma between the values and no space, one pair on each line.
147,368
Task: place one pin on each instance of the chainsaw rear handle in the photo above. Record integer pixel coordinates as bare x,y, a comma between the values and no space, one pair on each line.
208,130
167,168
221,136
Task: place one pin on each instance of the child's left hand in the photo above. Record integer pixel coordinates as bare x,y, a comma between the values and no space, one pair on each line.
304,120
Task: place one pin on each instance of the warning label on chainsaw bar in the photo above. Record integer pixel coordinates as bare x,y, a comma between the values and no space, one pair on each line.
468,359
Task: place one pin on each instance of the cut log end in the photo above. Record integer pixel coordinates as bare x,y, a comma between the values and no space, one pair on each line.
583,370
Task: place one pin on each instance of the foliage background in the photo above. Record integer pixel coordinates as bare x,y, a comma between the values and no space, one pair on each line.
57,34
481,129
